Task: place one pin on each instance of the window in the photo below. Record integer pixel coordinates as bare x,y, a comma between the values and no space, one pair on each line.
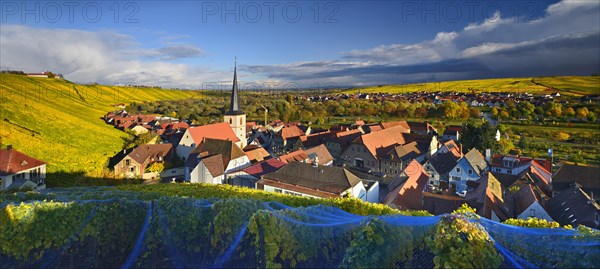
498,170
278,190
532,213
230,121
240,121
364,150
470,171
455,178
509,171
131,169
597,220
127,162
457,169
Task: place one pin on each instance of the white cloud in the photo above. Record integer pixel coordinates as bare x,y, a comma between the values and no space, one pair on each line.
562,40
104,56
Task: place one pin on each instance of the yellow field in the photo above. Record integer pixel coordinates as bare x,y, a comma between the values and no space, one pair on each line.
59,122
573,85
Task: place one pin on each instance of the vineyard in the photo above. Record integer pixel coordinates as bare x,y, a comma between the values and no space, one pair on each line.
108,227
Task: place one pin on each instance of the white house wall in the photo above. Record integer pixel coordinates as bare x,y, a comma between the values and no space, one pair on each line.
535,210
186,145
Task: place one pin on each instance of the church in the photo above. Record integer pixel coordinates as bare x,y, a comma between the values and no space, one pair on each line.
235,116
232,128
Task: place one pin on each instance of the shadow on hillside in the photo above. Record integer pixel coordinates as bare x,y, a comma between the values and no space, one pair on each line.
79,179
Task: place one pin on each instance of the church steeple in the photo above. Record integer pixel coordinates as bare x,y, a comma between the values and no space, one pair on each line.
234,107
235,116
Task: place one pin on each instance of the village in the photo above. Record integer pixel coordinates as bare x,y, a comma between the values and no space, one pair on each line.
403,164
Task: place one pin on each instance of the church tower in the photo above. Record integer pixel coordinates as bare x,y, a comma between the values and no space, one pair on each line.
236,117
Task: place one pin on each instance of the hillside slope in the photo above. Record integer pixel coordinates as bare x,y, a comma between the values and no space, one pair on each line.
59,122
573,85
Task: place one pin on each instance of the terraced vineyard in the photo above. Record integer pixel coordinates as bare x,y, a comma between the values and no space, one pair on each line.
138,228
59,122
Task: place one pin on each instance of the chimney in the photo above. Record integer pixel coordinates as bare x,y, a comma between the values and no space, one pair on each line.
316,162
9,147
488,155
461,152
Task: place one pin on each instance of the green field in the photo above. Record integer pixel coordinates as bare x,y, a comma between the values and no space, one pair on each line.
59,122
573,85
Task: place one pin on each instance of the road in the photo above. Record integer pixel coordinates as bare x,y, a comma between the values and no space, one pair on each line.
488,117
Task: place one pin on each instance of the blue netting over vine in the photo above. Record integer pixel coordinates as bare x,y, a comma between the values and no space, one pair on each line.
120,230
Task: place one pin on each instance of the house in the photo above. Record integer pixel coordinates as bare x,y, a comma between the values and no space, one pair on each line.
421,128
575,207
427,144
535,174
256,154
283,140
248,176
468,168
438,204
512,165
303,179
193,136
209,162
318,154
341,141
398,158
321,153
313,140
529,203
207,169
439,167
409,194
452,147
294,156
452,133
133,164
588,177
487,197
20,171
366,150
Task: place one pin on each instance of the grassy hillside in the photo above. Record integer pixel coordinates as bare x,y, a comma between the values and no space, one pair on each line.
59,122
574,85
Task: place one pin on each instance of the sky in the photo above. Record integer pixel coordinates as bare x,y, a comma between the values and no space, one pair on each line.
290,44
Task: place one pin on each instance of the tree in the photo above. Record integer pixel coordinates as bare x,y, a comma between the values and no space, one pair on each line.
562,136
156,167
480,137
582,112
523,142
505,146
494,112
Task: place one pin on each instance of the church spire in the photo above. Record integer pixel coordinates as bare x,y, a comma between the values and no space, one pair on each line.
234,108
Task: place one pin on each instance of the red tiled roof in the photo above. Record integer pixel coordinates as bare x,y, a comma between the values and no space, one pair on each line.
13,161
298,156
264,167
454,148
409,194
217,131
382,139
322,153
257,154
290,131
404,124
